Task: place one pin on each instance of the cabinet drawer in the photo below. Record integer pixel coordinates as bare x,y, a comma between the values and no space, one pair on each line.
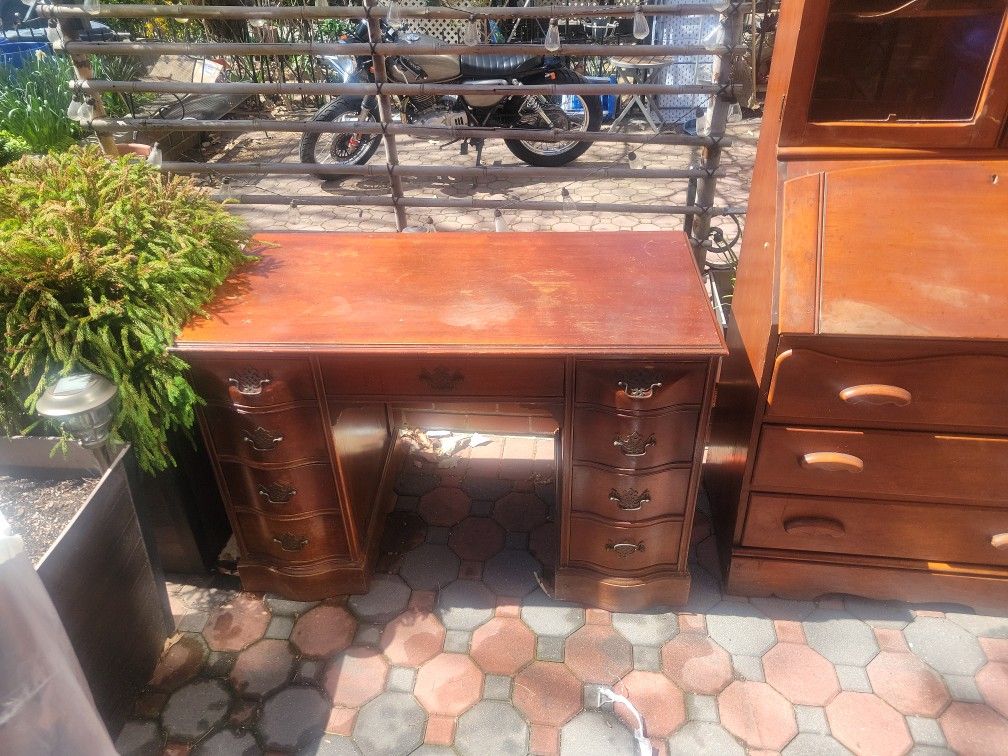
443,376
632,441
882,464
624,548
640,385
931,532
252,382
289,541
965,391
292,490
267,436
628,497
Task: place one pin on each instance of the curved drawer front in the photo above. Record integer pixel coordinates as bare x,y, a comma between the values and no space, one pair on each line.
625,548
964,391
882,464
252,382
290,541
640,386
630,498
268,436
634,442
292,490
931,532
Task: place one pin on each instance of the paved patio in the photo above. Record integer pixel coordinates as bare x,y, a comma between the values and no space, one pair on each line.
457,649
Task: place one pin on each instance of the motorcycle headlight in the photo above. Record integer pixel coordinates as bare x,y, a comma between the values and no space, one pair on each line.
343,65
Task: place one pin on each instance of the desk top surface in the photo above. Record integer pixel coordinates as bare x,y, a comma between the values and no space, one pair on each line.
571,293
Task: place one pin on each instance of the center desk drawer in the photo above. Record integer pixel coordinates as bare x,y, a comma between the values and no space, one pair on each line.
932,532
624,548
268,436
447,375
634,441
882,464
964,391
289,541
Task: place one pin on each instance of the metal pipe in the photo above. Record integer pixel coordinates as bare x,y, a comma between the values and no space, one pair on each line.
68,31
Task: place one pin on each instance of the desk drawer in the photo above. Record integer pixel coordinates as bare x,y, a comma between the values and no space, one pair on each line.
965,391
628,497
290,541
882,464
523,377
291,490
268,436
624,548
640,385
931,532
632,441
252,381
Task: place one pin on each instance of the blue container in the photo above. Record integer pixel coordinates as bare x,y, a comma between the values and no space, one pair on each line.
608,100
15,54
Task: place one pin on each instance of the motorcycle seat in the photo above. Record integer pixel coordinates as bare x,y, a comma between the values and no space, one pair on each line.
491,66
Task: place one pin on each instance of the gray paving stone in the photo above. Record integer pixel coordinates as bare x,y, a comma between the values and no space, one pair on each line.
740,629
219,663
434,750
402,679
945,645
516,541
367,635
701,708
228,743
703,739
963,688
748,667
840,637
511,573
280,628
926,732
812,719
195,709
890,614
465,605
457,641
646,628
550,648
336,745
309,670
783,609
279,605
497,687
390,725
807,744
923,750
492,727
647,658
596,732
983,626
483,488
437,534
429,567
385,600
139,739
294,718
415,483
407,503
192,622
547,616
853,678
481,508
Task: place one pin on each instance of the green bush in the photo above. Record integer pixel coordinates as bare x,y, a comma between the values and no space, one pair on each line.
34,101
101,263
12,147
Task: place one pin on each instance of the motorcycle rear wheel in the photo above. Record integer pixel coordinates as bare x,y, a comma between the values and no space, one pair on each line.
340,149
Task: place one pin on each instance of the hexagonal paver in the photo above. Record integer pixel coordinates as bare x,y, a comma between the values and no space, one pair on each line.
757,714
385,600
355,677
448,684
485,488
646,628
412,638
811,744
415,483
227,743
978,624
775,608
993,683
180,663
429,567
547,616
476,539
598,654
866,724
503,646
547,693
945,646
908,684
696,663
704,739
262,668
194,710
544,543
974,729
520,512
659,701
840,637
324,630
237,624
889,614
511,573
596,732
293,718
444,506
140,739
492,727
390,725
801,674
739,629
335,745
465,605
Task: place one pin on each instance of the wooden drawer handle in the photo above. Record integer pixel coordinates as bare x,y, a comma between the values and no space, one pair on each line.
630,500
442,379
634,445
623,550
262,440
833,462
1000,541
277,493
814,526
290,542
876,394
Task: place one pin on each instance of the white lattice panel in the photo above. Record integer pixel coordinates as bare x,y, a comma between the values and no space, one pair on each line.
450,30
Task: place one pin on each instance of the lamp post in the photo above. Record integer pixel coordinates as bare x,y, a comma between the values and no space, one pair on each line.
82,405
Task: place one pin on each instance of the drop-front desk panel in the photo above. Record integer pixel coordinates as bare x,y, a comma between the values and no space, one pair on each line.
312,357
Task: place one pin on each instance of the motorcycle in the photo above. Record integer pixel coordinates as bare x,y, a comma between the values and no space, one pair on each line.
574,113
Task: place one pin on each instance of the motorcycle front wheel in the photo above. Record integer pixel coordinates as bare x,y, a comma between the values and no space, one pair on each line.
342,148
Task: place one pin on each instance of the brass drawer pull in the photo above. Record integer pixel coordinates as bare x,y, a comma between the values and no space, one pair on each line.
261,439
816,526
638,386
634,445
630,500
623,550
832,462
442,379
277,493
249,382
290,542
1000,541
876,394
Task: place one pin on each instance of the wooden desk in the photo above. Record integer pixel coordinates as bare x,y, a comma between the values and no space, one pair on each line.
311,354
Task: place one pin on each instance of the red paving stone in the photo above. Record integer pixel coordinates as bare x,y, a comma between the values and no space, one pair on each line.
993,683
237,624
355,677
995,648
866,724
696,663
547,693
179,664
444,507
595,616
324,630
692,623
261,668
890,639
243,713
508,606
341,721
543,740
440,731
469,570
448,684
176,749
502,646
974,729
598,654
412,638
520,512
789,631
908,684
476,539
423,600
757,714
659,701
801,674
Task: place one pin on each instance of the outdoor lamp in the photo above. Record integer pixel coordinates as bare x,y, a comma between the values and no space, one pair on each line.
82,405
